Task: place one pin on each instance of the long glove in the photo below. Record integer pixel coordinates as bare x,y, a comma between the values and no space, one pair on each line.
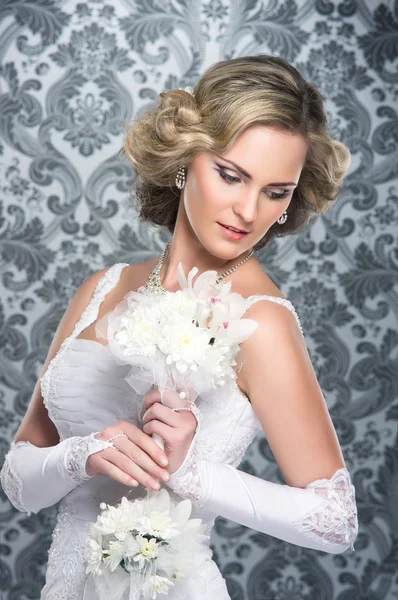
34,478
321,516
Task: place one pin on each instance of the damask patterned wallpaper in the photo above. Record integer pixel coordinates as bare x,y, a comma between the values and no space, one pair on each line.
71,74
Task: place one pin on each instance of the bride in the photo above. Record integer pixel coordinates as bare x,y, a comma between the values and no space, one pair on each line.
242,159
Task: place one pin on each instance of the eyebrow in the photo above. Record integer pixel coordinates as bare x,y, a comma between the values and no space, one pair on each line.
246,174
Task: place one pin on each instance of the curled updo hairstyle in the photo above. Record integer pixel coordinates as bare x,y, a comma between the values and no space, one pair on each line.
229,97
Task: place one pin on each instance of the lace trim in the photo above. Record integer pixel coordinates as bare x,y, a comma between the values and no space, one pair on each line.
186,481
76,459
283,301
71,563
337,522
10,482
103,287
80,448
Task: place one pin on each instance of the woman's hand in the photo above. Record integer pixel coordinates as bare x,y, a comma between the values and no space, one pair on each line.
176,428
134,460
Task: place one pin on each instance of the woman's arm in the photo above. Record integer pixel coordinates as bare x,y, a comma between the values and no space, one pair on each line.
317,508
39,470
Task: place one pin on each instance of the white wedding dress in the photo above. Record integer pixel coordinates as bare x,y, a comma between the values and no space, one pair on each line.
84,390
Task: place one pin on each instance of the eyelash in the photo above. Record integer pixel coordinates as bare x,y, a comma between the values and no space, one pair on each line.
229,179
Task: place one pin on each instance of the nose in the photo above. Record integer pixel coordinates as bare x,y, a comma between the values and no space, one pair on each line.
247,207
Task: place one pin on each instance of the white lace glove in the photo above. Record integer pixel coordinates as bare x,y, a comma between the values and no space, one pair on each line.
323,516
34,478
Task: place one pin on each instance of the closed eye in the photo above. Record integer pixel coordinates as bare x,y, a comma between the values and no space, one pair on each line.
230,179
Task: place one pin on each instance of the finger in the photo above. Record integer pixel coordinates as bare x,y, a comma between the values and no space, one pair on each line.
122,462
145,442
162,413
151,397
172,398
111,470
136,457
176,419
165,431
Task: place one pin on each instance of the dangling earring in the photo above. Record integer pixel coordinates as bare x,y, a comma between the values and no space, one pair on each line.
283,218
180,177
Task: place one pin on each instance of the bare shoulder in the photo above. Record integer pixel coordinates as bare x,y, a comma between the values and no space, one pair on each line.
274,318
253,280
86,289
274,313
134,276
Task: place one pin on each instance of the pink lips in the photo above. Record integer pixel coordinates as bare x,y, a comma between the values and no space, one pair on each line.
232,235
240,230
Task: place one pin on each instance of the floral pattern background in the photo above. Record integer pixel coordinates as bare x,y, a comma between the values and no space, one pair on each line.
71,75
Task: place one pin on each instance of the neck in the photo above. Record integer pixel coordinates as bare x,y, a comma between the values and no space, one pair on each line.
191,255
185,247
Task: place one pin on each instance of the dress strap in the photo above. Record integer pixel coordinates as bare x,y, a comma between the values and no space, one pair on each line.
283,301
104,286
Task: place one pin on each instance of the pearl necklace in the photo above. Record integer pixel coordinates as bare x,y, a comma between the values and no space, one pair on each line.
155,285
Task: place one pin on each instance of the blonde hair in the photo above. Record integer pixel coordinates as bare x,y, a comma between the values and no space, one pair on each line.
229,97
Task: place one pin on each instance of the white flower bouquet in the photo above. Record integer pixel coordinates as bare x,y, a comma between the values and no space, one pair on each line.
186,339
144,547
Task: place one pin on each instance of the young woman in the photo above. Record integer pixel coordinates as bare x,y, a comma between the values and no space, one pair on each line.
244,158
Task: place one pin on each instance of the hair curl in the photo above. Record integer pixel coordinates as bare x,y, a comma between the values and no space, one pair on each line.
229,97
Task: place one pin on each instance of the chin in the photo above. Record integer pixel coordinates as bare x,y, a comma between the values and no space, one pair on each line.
223,251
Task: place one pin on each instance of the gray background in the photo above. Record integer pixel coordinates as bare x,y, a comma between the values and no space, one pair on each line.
71,75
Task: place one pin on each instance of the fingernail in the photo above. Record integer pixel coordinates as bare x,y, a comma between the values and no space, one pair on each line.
163,460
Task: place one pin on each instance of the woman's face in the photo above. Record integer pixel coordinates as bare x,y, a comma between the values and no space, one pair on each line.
250,194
